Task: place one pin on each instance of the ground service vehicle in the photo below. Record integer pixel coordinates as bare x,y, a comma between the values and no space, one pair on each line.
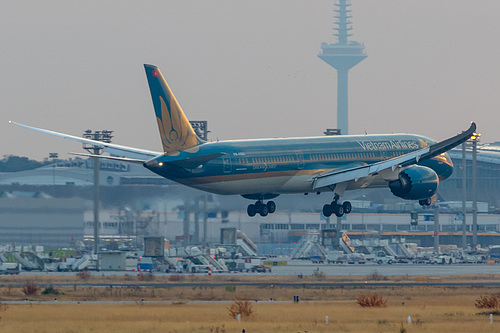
380,257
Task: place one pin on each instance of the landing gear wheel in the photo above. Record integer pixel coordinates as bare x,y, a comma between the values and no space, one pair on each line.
251,210
425,202
338,210
263,210
347,207
327,210
271,207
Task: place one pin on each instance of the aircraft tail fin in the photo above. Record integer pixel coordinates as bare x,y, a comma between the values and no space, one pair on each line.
176,131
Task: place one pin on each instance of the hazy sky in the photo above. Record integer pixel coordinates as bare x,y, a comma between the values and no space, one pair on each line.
248,67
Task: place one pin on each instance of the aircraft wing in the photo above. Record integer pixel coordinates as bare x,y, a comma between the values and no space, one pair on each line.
122,152
332,178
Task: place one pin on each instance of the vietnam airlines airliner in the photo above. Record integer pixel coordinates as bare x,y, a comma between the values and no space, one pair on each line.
411,166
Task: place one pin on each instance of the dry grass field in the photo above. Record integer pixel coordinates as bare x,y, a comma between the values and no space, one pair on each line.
432,309
450,314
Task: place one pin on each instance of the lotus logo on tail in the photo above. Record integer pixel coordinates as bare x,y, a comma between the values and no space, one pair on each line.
175,131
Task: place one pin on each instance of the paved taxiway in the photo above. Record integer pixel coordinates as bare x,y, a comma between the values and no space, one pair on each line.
307,268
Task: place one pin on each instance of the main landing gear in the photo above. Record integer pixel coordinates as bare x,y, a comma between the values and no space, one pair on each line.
425,202
262,208
338,209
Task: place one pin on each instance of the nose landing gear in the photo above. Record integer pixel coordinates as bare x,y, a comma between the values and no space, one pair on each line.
338,209
262,208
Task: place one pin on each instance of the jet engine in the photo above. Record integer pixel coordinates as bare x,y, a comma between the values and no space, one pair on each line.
415,183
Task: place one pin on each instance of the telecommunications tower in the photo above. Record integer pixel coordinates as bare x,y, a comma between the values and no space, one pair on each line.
342,55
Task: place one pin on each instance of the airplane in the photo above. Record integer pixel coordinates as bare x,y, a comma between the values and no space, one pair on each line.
410,165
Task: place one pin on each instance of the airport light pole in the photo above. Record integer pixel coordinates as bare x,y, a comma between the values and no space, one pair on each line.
436,228
205,221
186,223
464,198
54,157
197,220
104,136
200,127
475,138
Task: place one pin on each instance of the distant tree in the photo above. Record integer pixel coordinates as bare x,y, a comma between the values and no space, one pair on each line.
11,163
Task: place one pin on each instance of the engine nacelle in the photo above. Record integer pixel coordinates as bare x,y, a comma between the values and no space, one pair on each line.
415,183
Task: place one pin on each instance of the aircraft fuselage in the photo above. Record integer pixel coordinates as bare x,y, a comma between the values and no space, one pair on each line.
287,165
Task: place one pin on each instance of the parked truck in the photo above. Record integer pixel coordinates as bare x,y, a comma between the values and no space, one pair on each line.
336,257
9,268
251,265
380,257
318,259
145,264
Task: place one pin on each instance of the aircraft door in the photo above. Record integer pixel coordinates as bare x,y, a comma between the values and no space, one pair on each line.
226,163
383,155
300,159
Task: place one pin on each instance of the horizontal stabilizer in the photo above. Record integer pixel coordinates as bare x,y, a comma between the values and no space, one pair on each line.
114,158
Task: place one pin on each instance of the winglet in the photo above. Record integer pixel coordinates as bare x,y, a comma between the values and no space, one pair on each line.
445,145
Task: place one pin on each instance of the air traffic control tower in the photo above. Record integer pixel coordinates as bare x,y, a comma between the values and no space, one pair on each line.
342,55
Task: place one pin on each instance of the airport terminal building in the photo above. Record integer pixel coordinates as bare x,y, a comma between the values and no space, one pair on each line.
53,205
